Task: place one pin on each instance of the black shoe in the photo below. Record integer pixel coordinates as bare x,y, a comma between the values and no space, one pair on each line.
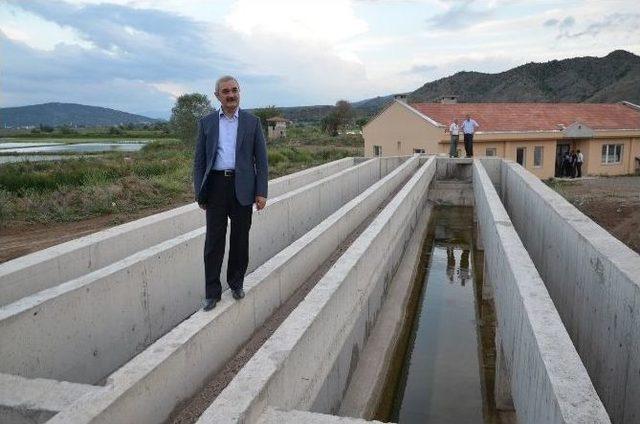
209,304
238,294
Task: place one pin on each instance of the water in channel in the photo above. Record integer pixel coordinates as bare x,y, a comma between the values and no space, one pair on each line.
441,368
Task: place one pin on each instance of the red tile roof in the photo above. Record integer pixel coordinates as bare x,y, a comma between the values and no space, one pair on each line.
534,116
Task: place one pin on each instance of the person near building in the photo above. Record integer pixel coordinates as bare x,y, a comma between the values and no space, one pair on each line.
454,130
579,162
469,127
573,162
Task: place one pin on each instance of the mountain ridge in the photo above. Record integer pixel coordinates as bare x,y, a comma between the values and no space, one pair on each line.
608,79
57,114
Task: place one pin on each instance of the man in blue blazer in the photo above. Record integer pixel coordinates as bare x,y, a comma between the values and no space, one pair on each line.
230,173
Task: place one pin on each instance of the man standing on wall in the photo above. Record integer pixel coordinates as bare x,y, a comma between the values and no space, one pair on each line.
230,174
468,128
454,129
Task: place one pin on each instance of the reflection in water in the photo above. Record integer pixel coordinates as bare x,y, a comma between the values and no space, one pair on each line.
441,380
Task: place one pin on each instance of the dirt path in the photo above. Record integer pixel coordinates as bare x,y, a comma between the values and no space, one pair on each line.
612,202
26,238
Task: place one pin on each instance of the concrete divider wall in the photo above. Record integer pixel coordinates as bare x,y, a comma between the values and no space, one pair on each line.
84,329
548,382
307,361
594,281
181,361
49,267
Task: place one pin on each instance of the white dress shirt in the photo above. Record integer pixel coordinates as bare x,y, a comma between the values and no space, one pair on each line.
469,126
453,128
227,134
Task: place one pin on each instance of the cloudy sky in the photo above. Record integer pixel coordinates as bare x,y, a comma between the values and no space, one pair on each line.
137,56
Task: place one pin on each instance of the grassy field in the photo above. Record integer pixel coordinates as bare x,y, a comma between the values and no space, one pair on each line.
119,184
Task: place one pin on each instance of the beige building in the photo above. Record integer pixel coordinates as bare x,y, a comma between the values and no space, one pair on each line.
536,135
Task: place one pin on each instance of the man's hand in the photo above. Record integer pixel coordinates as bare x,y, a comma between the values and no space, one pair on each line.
261,202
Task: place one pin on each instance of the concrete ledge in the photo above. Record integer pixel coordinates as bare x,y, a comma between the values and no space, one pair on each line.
594,281
84,329
36,401
52,266
306,363
548,381
176,365
274,416
366,386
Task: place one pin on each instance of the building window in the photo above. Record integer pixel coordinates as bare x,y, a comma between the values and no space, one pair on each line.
399,145
491,151
377,150
611,153
418,150
521,156
537,156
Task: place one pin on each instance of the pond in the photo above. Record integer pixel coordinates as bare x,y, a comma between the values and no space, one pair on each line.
26,148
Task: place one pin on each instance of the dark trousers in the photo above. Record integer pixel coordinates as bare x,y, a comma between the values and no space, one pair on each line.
222,203
453,147
579,166
468,144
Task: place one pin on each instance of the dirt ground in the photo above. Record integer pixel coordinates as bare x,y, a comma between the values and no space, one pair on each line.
612,202
26,238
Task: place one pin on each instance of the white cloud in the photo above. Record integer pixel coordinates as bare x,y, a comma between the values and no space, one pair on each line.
141,54
329,21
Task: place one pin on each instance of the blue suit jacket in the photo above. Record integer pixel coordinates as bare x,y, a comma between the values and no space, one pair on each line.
251,176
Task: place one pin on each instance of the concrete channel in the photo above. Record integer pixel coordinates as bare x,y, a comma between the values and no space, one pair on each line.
119,337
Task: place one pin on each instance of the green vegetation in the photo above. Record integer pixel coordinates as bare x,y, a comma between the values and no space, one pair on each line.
147,131
123,183
189,108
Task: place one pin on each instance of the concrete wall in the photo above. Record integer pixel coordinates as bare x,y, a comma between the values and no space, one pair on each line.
50,267
548,382
306,363
84,329
594,281
175,366
36,401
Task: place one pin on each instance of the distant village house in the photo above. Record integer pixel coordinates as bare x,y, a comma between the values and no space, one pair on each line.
536,135
276,127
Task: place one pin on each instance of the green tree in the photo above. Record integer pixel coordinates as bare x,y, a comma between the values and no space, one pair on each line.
265,113
361,122
339,117
331,123
344,112
189,108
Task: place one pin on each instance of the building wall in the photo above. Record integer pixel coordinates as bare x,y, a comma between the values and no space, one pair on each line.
593,161
548,167
399,123
396,124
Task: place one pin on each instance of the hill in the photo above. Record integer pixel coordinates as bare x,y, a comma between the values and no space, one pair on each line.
609,79
56,114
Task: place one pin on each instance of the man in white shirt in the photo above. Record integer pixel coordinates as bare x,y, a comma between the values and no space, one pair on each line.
454,129
579,161
468,128
230,175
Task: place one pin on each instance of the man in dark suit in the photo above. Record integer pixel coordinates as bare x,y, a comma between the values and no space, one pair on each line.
230,174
